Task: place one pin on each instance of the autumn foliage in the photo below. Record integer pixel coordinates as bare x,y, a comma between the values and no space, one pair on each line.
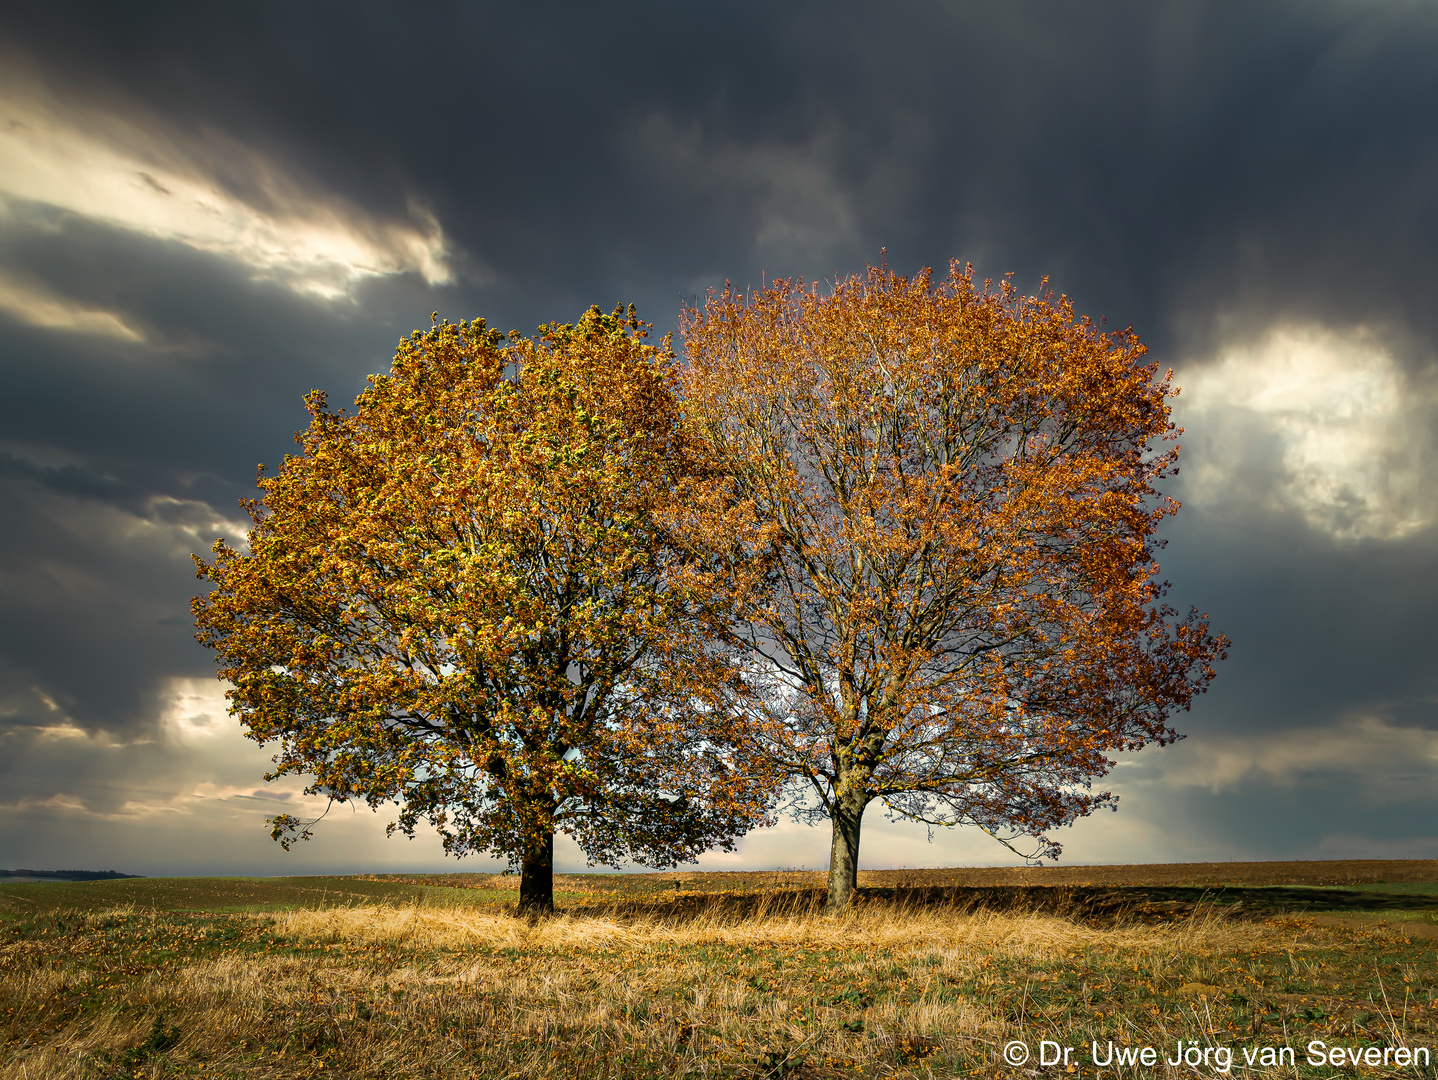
892,541
940,525
461,597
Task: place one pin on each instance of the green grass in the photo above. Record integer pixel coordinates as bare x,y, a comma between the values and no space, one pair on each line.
1397,888
235,894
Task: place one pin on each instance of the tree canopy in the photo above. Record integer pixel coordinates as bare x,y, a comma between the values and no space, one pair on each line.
941,524
463,598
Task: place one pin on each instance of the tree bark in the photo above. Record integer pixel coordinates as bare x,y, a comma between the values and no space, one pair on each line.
848,815
536,878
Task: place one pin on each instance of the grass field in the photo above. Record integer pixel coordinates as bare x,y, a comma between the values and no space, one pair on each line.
932,974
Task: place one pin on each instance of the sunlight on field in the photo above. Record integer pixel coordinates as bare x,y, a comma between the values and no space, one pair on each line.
869,927
758,985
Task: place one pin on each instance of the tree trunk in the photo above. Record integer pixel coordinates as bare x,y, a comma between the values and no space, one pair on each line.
848,815
536,878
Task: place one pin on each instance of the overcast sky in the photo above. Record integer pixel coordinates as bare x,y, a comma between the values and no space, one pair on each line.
206,211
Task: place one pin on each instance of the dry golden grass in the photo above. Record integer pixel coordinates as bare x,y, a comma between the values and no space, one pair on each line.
894,928
766,989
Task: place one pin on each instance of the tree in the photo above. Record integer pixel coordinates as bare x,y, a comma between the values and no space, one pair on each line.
463,598
950,548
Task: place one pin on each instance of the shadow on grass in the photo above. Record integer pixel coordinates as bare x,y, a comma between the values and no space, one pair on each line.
1091,906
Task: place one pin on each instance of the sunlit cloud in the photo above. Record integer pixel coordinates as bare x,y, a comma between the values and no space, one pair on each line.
195,710
191,802
185,525
118,570
1306,419
161,526
200,765
38,306
139,176
66,804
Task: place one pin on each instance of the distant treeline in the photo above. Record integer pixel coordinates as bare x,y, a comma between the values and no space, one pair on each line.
68,875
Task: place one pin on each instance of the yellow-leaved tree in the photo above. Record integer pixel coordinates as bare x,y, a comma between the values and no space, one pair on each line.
463,598
941,525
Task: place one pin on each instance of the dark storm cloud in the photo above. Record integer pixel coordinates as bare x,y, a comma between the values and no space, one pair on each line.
1323,631
1203,171
122,457
67,479
222,352
1158,160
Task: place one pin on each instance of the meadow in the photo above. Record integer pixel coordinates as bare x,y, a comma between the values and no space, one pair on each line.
934,973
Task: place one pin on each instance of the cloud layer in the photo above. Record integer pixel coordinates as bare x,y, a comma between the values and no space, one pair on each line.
1323,423
205,214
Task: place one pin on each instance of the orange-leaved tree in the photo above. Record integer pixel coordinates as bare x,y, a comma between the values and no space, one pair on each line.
949,560
462,598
